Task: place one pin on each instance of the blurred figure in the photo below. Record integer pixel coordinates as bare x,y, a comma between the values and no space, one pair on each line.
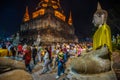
118,39
114,39
60,59
27,57
39,51
34,53
4,51
19,48
46,66
79,50
13,51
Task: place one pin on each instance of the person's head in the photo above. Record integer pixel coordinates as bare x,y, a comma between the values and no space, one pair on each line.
3,46
33,45
29,48
19,43
117,34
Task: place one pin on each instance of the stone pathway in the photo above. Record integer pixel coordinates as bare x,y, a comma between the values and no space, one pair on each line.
46,76
117,71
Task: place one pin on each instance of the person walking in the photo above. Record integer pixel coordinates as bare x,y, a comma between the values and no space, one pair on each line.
27,57
46,65
34,53
60,59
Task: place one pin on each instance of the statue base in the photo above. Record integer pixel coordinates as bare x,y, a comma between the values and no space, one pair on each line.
101,76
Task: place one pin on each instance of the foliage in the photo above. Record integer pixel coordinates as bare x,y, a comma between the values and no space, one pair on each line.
116,46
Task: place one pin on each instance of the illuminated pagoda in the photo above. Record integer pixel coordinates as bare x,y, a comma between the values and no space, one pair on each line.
49,22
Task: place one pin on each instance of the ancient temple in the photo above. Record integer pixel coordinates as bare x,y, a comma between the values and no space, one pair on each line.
49,22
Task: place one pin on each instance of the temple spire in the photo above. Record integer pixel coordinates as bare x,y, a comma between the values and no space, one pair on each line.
55,4
70,19
49,7
26,15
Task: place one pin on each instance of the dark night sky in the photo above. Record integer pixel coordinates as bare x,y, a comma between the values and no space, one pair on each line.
12,11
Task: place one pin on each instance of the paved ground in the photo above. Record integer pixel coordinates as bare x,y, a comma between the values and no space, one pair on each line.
46,76
117,71
37,76
51,76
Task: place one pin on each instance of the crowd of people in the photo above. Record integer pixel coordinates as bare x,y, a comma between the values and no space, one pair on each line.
51,56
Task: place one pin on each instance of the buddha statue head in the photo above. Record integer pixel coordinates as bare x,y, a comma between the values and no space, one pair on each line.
100,16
